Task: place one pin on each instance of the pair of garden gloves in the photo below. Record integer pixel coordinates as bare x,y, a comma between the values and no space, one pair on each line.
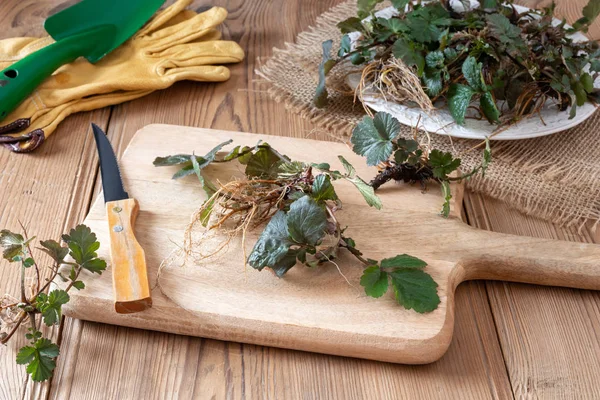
177,44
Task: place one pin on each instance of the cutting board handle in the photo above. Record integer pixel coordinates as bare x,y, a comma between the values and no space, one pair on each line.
536,261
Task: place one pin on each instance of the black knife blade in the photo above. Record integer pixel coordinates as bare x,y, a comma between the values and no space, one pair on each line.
112,183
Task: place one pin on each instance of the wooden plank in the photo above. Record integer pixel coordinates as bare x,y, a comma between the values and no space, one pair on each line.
41,190
47,190
241,104
549,337
215,299
265,115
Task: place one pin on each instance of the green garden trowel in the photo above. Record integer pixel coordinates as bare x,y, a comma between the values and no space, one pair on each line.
90,29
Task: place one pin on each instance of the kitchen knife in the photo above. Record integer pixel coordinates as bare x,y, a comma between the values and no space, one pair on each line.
130,277
90,28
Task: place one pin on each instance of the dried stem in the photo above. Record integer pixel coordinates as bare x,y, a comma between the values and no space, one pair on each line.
16,326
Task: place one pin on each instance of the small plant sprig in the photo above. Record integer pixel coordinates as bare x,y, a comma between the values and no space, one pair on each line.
494,59
377,139
42,307
298,203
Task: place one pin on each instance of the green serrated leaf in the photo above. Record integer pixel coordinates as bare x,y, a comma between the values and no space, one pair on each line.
322,166
587,81
272,245
450,53
375,281
83,244
50,307
471,70
392,26
366,6
489,4
79,285
264,163
352,24
580,93
207,186
400,5
372,137
206,212
505,31
409,145
39,358
459,98
345,46
177,159
186,170
96,265
54,250
285,263
443,163
406,51
426,24
233,154
211,155
322,189
435,59
403,261
367,192
487,156
489,108
320,99
242,154
415,289
447,194
350,170
433,82
591,10
306,222
291,169
34,335
12,243
350,242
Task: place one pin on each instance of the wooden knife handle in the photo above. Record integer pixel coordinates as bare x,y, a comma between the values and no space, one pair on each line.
130,277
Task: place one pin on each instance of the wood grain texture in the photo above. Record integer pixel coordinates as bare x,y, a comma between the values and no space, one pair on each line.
131,289
54,188
241,104
215,298
549,337
41,195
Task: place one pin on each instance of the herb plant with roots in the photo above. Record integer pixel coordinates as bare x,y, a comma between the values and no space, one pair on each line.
36,304
298,203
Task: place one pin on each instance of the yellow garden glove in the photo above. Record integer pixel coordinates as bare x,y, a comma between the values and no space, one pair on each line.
176,45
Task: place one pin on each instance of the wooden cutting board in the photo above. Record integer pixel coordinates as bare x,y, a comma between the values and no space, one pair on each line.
312,309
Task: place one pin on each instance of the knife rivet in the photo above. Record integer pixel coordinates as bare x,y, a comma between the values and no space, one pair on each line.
118,228
117,209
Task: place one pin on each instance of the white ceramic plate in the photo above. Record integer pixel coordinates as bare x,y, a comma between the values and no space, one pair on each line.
440,121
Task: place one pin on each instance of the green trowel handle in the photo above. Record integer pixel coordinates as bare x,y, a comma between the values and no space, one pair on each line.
20,79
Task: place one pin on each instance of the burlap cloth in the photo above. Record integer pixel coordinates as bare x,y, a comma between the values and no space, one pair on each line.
556,177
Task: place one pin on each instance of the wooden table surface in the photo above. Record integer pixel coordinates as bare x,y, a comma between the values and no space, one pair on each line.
511,340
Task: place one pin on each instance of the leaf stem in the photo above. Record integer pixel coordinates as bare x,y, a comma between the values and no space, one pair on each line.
70,285
355,253
47,284
23,297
